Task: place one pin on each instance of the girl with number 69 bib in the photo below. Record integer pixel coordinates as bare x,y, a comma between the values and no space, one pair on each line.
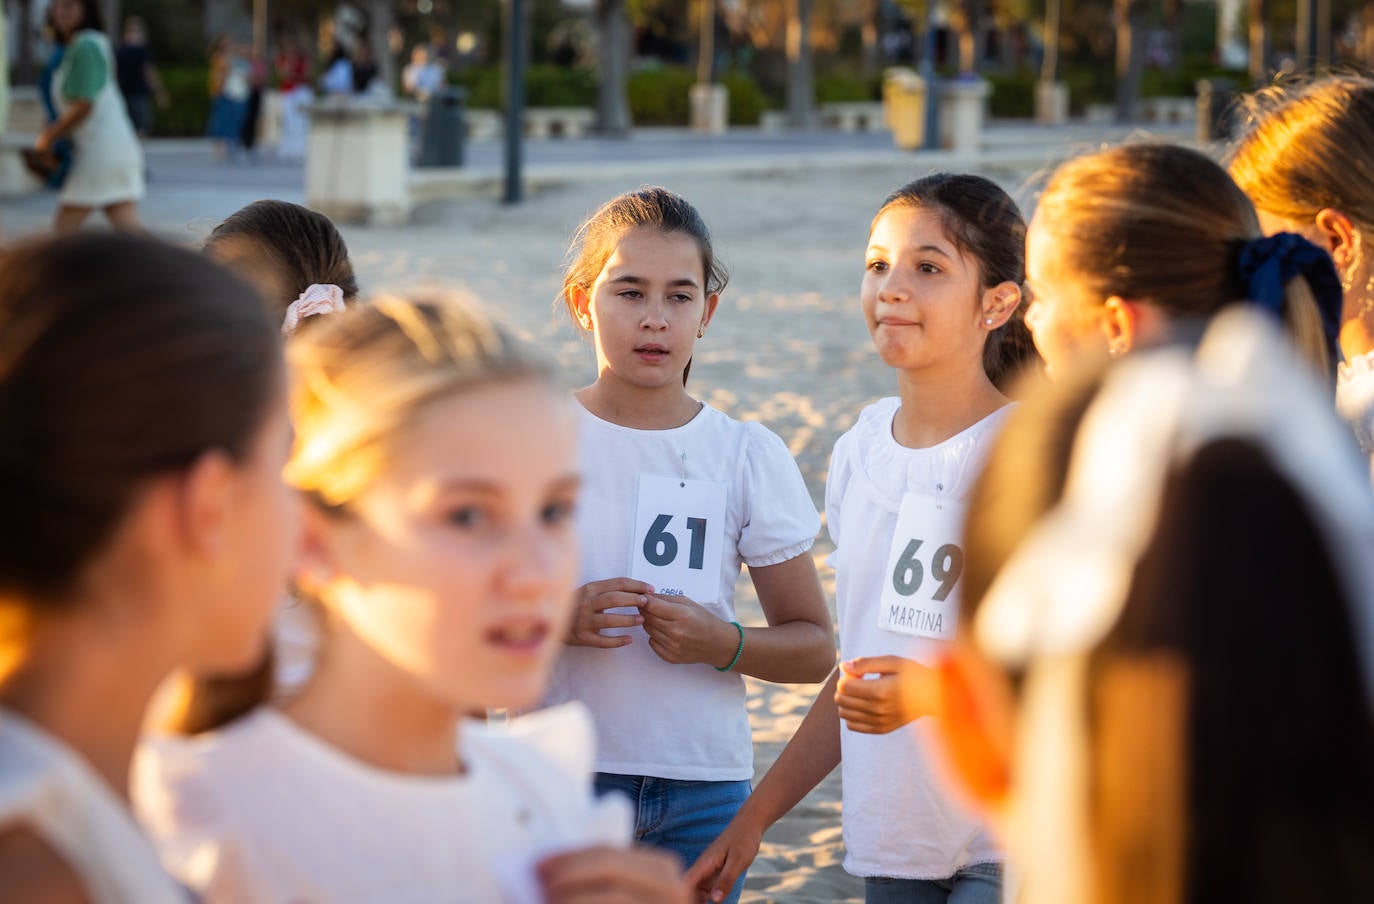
676,496
942,297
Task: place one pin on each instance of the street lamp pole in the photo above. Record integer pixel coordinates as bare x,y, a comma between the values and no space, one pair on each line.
515,100
927,70
260,29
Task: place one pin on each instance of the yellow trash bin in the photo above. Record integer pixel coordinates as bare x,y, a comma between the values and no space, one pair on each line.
904,107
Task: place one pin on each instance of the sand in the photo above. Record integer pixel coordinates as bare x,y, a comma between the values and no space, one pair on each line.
788,347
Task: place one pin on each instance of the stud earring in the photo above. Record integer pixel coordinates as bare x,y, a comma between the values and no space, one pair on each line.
988,321
701,331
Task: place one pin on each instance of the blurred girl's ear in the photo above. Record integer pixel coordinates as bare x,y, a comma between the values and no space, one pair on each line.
977,727
316,560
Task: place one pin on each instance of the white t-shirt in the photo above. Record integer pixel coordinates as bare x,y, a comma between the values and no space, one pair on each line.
264,811
46,787
683,722
1355,400
899,822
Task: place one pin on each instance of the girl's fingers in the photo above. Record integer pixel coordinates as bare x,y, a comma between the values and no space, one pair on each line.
860,690
609,874
623,585
615,599
601,622
603,642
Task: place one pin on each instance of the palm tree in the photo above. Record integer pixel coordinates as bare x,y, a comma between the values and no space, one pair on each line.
613,102
800,92
1259,41
1130,57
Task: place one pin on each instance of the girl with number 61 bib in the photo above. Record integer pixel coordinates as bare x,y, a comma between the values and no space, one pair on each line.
942,297
676,495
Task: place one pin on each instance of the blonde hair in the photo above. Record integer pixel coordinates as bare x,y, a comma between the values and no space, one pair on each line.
1308,148
1163,224
360,379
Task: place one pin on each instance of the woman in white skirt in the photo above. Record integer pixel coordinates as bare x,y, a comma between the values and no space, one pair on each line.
107,166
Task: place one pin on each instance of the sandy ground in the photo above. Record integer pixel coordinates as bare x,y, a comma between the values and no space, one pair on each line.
788,348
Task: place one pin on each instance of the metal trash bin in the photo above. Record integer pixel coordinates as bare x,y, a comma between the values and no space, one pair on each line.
444,134
1216,109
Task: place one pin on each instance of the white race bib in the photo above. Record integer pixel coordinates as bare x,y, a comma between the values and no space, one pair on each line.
679,536
921,583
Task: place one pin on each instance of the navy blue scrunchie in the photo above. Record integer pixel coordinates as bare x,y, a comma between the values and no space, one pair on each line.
1265,266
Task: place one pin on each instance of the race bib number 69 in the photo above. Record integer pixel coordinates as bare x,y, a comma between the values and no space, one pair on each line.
921,582
679,536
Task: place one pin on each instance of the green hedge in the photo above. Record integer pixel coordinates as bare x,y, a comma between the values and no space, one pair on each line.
188,101
747,100
1013,95
545,86
838,88
658,97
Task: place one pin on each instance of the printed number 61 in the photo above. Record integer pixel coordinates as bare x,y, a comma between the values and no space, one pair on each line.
660,547
946,565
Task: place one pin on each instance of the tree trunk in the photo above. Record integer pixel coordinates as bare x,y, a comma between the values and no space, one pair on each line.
613,102
799,86
1049,66
26,71
1259,41
1173,25
868,55
114,28
1130,57
706,42
380,19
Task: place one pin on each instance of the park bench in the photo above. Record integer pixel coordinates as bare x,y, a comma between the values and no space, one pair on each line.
558,122
853,116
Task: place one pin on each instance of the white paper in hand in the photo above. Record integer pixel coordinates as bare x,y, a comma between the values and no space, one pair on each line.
679,536
924,565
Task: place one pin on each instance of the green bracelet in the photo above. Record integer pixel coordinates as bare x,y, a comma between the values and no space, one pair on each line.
739,652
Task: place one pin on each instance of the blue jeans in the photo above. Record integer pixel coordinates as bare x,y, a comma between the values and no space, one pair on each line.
679,816
980,883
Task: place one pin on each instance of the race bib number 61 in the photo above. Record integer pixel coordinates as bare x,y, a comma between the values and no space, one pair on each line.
921,582
679,536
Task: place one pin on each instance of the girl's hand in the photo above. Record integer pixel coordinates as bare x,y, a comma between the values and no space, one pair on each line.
607,875
590,617
683,632
905,691
44,142
721,864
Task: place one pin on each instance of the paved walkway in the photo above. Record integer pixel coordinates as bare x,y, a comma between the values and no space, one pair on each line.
186,185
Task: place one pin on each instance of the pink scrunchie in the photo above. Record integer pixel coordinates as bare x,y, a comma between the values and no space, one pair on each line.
321,298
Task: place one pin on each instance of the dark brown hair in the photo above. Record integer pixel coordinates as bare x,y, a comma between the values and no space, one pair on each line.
985,225
652,207
302,245
1237,587
1161,223
121,358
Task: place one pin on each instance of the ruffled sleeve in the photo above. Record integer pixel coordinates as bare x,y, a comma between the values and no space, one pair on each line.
176,801
1355,398
780,521
836,480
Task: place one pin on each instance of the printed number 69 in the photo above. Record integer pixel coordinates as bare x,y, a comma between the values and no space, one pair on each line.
946,565
660,547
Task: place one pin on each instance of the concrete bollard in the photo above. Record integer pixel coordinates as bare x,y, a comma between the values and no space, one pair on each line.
710,108
357,162
1051,103
963,106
